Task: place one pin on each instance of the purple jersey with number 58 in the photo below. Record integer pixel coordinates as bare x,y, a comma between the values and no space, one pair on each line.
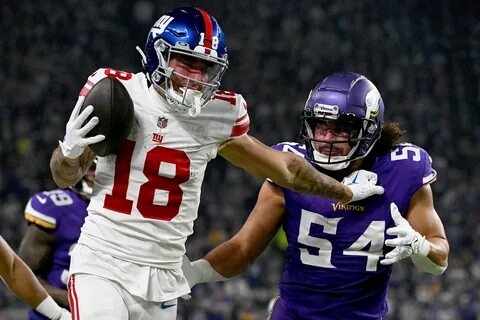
332,268
62,212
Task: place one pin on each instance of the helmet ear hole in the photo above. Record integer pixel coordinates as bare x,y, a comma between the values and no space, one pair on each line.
156,76
161,47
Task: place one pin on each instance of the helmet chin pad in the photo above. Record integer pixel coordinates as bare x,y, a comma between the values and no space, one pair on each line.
186,100
330,163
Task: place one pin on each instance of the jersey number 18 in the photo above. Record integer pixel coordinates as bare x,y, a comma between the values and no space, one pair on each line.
152,169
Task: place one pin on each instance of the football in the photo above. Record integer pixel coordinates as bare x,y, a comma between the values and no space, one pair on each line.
114,108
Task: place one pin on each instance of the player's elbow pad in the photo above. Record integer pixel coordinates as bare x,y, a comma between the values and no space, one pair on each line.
427,265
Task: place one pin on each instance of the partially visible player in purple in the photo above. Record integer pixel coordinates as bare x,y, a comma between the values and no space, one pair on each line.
54,220
339,256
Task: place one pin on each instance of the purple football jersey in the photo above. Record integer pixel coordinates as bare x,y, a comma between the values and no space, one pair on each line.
63,212
332,268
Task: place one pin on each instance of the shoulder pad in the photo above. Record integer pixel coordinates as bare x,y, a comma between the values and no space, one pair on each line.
40,211
415,161
234,108
292,147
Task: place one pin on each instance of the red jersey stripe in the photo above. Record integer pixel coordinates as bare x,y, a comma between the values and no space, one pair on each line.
208,28
240,129
242,117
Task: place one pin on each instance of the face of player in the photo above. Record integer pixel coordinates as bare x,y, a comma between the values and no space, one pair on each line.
189,67
327,132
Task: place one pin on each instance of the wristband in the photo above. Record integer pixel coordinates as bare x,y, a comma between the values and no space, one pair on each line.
427,265
421,248
205,272
49,308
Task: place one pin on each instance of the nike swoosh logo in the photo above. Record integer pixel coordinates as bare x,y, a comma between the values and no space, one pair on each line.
164,305
355,179
42,200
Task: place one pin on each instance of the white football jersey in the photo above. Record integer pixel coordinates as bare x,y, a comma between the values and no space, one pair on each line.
146,197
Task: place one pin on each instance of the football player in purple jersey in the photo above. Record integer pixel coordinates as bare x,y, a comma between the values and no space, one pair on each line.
339,256
21,280
54,220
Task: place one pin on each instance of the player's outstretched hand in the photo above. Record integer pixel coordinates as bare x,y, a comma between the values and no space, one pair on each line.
75,141
407,241
363,185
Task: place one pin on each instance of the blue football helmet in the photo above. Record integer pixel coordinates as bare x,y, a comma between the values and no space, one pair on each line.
194,34
350,103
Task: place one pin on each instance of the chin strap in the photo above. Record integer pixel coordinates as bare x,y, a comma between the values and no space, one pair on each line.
144,58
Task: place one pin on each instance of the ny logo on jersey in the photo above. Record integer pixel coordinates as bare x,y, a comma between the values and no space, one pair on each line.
157,138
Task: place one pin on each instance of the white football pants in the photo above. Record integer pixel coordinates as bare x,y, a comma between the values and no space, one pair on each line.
96,298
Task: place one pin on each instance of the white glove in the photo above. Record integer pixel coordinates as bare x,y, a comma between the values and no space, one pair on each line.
74,142
407,242
363,184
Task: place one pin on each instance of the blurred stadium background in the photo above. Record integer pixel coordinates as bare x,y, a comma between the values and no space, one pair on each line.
424,56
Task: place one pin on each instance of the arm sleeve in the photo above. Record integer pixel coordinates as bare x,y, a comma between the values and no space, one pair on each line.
242,123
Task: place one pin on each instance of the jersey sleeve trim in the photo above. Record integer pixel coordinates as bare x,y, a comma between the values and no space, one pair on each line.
34,216
241,126
40,222
432,177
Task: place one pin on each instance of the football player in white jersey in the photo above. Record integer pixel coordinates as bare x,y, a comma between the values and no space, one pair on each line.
127,264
